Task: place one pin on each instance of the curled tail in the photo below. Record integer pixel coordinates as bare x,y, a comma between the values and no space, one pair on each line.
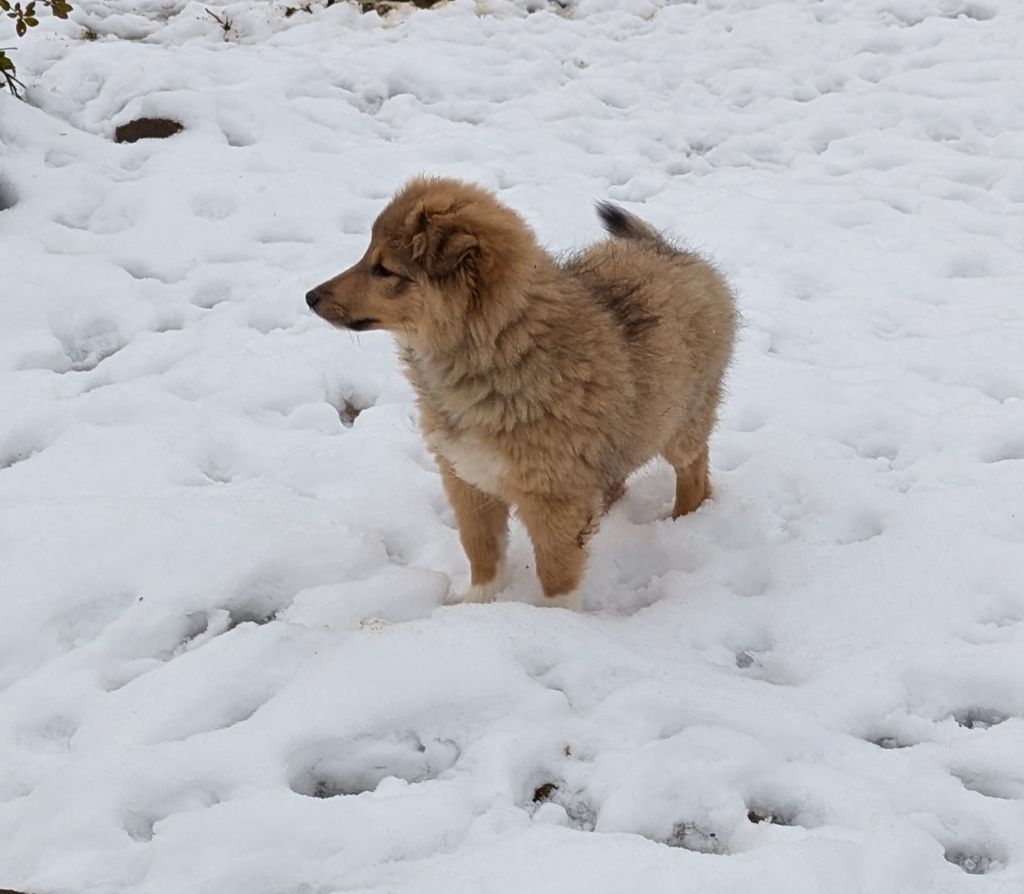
623,225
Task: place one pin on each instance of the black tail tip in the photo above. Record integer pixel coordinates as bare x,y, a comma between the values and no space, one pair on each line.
615,220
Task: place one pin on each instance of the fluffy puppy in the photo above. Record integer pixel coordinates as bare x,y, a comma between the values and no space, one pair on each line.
541,383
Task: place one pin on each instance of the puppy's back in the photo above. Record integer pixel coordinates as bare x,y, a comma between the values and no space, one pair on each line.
676,315
648,284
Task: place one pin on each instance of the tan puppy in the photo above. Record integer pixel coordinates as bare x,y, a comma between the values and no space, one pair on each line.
541,384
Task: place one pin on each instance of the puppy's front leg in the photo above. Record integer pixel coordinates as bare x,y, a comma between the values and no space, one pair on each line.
559,528
483,530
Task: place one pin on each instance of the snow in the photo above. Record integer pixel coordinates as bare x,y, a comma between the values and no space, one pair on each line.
225,663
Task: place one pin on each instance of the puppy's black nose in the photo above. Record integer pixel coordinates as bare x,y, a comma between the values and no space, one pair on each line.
313,297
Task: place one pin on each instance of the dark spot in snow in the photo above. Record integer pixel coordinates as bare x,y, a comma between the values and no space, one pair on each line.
693,837
147,129
744,659
581,813
979,718
544,792
327,788
382,7
890,742
348,412
249,614
767,815
971,863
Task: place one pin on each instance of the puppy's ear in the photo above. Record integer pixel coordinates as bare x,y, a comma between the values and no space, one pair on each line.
440,245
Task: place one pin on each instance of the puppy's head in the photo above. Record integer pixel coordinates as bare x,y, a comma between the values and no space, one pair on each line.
441,251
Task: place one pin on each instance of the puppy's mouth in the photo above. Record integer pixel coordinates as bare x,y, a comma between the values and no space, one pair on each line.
343,321
361,325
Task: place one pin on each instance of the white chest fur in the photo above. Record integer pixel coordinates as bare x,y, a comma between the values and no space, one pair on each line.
474,462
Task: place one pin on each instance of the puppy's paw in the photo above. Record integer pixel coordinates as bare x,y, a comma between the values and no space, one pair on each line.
481,592
572,601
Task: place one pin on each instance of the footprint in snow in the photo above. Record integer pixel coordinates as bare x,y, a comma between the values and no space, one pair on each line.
213,206
174,635
554,802
19,448
979,718
991,784
1006,452
972,862
140,823
336,767
695,837
772,816
209,295
8,196
968,718
891,743
86,621
87,347
142,270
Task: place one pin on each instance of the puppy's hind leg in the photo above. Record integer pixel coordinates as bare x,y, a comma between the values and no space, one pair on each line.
483,530
693,483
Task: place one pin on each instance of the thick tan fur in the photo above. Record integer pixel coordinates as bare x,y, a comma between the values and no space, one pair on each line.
541,383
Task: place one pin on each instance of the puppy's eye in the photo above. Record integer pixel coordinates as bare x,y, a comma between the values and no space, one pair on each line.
380,270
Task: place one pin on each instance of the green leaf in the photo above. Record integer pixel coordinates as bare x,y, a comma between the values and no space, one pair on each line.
31,21
5,6
20,28
5,63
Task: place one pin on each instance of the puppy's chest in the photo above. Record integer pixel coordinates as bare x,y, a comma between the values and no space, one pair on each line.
456,427
473,461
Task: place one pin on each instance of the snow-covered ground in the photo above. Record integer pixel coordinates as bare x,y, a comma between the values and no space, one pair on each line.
225,666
